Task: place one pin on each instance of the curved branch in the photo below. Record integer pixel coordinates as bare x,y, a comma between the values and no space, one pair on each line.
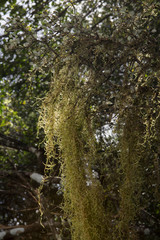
10,232
9,142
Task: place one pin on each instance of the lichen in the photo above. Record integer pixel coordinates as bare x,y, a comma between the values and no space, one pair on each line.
37,177
16,231
2,235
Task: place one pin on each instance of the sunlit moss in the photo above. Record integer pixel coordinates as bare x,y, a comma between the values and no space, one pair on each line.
66,120
69,119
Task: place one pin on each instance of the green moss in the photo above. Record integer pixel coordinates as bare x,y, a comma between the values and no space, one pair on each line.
69,117
65,117
131,154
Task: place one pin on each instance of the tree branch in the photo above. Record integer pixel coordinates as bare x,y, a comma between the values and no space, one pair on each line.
9,142
10,232
100,20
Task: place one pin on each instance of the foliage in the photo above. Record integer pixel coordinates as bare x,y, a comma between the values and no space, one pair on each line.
102,61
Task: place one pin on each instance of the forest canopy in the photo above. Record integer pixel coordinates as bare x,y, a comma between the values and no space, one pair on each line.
80,119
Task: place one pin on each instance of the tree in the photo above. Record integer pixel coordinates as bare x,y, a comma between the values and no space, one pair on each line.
21,154
102,61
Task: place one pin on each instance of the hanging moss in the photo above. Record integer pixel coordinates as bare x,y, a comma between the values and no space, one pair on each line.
131,153
65,117
70,117
139,135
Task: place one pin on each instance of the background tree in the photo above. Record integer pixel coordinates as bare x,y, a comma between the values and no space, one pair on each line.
102,61
21,152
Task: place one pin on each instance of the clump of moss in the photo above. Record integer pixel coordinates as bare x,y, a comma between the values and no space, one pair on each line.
70,117
131,154
67,122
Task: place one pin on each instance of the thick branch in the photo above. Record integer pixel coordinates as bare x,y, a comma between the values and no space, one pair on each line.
7,141
32,175
10,232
